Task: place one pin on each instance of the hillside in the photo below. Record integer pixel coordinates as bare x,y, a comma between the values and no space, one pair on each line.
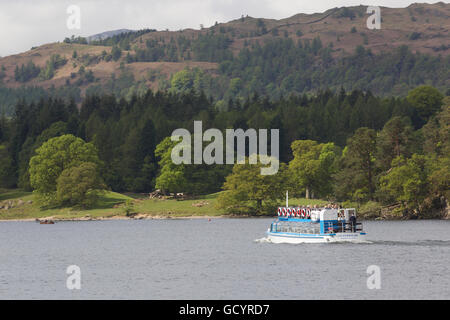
148,59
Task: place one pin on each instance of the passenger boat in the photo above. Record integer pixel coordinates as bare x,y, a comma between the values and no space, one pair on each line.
315,225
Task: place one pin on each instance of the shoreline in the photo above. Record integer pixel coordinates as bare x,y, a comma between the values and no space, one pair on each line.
112,218
20,206
135,217
169,217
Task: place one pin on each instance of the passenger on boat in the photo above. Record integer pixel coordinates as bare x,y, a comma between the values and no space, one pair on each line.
353,222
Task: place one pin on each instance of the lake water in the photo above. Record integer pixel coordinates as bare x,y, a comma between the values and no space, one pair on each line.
219,259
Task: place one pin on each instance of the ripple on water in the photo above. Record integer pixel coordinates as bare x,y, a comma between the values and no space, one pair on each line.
222,260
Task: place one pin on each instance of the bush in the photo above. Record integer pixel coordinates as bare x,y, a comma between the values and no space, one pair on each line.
129,208
55,62
415,36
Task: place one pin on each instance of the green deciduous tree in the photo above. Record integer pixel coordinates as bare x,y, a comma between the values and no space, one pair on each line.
355,180
426,99
182,81
194,179
79,185
312,167
395,140
52,158
246,191
28,148
437,146
407,181
437,133
172,176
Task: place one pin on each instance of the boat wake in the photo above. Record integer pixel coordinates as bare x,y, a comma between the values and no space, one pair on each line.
425,243
352,242
263,240
267,240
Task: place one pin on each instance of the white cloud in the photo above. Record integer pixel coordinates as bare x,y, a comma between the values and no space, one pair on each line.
24,24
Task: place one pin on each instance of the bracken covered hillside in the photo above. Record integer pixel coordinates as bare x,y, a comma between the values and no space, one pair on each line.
231,60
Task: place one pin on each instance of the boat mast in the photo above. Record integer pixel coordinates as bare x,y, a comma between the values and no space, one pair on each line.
287,199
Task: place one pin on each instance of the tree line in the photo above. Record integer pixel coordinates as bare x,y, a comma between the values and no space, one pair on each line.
274,68
347,146
281,66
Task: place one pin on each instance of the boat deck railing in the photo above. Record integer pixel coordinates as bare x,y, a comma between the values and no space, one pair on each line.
314,228
349,227
295,228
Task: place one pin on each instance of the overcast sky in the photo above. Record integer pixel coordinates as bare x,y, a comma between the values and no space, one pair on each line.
28,23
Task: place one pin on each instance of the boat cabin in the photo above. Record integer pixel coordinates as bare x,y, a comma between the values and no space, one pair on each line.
316,220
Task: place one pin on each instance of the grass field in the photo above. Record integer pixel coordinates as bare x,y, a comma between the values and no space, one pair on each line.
104,207
111,204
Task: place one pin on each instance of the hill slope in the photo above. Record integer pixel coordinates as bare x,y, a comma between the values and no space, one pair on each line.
149,58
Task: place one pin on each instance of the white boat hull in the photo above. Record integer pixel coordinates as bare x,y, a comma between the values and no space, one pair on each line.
278,237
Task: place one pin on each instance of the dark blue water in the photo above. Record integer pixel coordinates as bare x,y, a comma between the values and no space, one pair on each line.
219,259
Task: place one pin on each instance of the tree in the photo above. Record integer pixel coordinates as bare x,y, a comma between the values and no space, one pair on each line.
28,148
79,185
246,191
7,174
407,181
145,155
138,164
171,177
395,140
355,179
26,72
312,167
437,146
188,178
116,53
439,177
426,99
437,133
182,81
52,158
51,65
129,208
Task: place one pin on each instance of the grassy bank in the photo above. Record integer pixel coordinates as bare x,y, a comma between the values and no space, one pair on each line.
112,205
27,210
